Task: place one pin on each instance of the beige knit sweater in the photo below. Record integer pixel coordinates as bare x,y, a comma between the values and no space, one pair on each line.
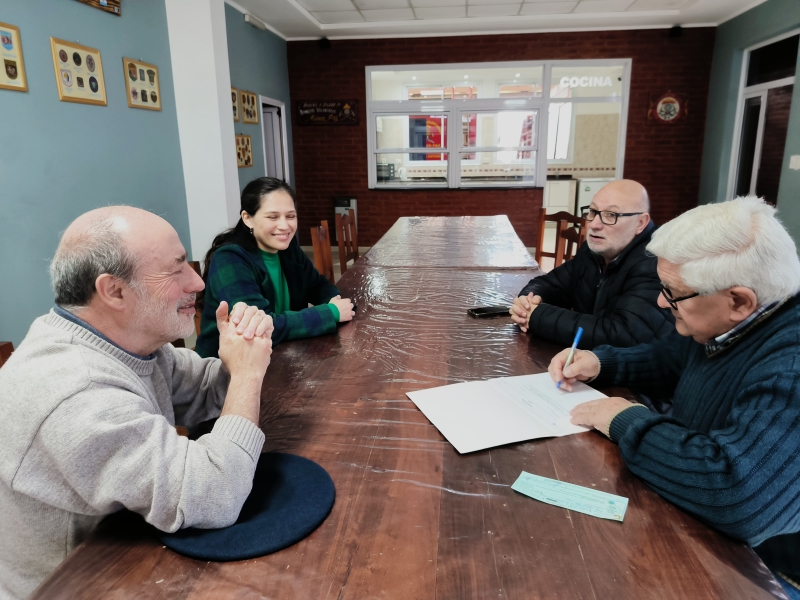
86,430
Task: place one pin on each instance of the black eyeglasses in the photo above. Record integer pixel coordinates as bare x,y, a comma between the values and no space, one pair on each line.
673,302
607,217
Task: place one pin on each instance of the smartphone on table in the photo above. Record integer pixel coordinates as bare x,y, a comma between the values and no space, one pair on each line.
483,312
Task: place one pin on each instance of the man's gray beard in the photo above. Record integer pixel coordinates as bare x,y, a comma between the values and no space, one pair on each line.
163,320
613,252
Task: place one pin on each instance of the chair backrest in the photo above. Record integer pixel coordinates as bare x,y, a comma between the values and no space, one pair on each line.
323,258
6,348
347,236
569,230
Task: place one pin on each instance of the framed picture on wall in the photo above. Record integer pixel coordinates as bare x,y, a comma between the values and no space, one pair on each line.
12,77
142,85
79,73
112,6
235,101
667,109
249,107
244,151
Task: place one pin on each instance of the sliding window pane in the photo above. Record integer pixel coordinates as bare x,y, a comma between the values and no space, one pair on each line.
747,146
773,62
409,169
411,131
582,139
501,129
504,166
457,83
559,132
450,92
520,90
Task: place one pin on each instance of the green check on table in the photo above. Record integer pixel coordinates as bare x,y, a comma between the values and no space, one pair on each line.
572,497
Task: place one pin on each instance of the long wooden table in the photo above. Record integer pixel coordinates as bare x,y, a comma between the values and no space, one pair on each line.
413,518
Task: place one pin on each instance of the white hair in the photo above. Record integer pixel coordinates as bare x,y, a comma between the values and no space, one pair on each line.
734,243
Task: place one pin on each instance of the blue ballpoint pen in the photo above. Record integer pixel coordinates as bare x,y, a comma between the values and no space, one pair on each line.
571,354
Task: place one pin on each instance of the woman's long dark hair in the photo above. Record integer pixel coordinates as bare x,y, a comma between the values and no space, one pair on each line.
252,195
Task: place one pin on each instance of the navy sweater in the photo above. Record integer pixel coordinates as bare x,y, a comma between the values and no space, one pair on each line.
730,452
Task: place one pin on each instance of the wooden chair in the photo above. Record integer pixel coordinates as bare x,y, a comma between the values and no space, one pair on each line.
323,257
347,237
569,230
6,348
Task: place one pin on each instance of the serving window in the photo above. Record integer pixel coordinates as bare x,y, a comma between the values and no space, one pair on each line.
482,125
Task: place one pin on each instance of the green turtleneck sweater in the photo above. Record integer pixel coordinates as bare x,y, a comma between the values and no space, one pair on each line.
273,264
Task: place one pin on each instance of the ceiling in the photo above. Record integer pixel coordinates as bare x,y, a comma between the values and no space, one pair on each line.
339,19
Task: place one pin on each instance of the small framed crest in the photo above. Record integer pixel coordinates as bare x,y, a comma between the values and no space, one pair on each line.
244,151
12,77
235,101
249,107
141,84
79,73
667,109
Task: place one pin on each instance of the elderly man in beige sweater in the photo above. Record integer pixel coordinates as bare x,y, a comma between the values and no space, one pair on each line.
89,401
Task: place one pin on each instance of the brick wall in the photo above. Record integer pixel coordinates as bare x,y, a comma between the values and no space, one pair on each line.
332,161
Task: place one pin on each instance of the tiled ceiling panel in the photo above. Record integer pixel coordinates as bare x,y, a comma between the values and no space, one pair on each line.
547,8
326,5
376,4
389,14
493,10
344,16
597,6
432,3
386,18
442,12
658,4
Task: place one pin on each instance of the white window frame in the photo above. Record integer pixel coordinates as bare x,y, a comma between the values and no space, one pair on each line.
571,146
745,93
265,100
453,107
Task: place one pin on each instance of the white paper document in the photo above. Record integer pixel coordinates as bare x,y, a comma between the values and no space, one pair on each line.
484,414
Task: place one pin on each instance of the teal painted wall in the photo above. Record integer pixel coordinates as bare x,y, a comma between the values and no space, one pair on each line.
59,160
258,64
759,24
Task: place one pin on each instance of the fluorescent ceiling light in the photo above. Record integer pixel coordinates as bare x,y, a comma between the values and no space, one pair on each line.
257,23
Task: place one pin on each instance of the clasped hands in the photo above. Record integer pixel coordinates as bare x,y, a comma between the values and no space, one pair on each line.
523,308
245,339
584,366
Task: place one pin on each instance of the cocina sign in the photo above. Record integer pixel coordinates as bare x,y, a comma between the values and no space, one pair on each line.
585,82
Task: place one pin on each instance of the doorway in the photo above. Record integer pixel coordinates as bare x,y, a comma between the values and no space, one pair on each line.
276,148
768,75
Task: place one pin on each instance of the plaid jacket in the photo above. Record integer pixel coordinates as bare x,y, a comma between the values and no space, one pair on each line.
237,275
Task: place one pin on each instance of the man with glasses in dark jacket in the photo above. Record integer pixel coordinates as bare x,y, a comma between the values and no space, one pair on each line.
610,288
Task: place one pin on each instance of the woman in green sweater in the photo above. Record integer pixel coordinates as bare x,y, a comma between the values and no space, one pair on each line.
260,262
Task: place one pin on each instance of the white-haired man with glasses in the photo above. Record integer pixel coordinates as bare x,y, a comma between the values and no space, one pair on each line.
610,287
729,452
